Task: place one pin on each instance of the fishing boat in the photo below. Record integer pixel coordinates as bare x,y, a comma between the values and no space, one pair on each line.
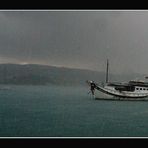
132,90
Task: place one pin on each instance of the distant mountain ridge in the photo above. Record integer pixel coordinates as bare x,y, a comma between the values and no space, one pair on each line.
34,74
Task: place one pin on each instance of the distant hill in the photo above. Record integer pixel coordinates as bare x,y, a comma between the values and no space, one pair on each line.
43,75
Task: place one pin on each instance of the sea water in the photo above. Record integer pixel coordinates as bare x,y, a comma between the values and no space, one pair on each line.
68,111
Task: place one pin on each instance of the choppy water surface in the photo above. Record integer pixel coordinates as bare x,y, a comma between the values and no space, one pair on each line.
56,111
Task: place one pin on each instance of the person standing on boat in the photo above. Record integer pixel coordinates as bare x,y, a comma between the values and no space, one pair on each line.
92,87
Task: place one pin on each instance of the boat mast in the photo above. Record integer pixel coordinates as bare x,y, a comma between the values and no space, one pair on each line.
107,71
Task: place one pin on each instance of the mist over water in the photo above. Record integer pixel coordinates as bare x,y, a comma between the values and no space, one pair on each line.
49,101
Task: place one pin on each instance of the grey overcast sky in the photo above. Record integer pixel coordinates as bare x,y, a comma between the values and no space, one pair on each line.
77,39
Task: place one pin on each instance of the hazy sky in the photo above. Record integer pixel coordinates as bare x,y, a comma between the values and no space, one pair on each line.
79,39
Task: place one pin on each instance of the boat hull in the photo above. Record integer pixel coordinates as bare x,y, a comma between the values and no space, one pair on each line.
105,94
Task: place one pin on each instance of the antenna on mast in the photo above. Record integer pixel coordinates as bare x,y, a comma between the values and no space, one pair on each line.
107,71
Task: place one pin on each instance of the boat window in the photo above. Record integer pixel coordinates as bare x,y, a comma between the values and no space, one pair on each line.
137,88
140,88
